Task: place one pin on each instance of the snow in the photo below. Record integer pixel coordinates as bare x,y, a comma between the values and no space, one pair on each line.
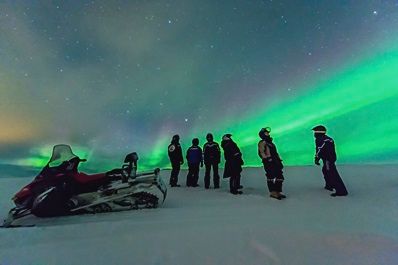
197,226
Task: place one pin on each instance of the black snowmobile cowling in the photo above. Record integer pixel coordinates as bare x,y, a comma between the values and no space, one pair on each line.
60,189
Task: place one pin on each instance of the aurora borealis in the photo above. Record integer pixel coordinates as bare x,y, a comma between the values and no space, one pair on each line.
111,77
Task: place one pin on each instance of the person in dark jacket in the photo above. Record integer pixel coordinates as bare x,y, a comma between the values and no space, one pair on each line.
211,155
194,158
325,150
233,163
176,159
272,164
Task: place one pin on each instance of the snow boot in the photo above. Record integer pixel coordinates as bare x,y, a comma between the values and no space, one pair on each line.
338,194
275,195
281,195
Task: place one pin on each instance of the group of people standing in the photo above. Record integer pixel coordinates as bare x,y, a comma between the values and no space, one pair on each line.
210,157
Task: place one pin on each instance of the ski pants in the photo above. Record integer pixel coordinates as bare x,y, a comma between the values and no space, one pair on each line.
234,182
232,170
274,177
332,178
174,173
193,175
216,177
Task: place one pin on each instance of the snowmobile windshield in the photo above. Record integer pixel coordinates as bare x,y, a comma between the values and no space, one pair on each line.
61,153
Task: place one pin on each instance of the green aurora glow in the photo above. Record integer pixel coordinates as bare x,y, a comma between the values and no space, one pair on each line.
364,96
349,104
80,76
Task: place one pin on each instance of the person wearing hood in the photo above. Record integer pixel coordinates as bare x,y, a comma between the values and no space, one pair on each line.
233,163
194,158
325,150
211,155
176,159
272,164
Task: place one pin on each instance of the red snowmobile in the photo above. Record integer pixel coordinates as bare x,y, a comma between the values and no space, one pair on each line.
60,189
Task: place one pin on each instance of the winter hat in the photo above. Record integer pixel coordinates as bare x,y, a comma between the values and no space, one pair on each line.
262,132
176,137
227,137
319,129
195,141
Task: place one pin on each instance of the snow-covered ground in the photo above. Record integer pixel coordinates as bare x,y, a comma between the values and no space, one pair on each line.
197,226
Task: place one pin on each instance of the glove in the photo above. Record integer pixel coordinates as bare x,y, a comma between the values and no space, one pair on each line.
316,161
267,160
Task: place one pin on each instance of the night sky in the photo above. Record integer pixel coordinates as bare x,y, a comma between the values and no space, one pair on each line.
111,77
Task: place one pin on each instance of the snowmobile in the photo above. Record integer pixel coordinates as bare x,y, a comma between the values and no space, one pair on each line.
60,189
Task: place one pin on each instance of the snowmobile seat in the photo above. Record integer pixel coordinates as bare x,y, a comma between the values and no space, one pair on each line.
83,178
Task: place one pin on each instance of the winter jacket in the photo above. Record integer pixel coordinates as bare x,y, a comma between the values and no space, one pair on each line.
231,150
194,155
233,159
325,149
268,153
211,153
175,153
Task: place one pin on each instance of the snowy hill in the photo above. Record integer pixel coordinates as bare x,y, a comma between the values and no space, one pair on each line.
197,226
